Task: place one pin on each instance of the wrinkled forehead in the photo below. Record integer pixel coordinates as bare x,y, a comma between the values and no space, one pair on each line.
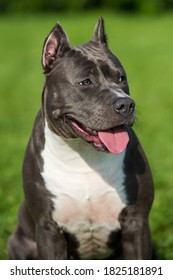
97,53
92,50
92,54
86,59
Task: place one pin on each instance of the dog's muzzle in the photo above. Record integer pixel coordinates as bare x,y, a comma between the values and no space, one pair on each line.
114,139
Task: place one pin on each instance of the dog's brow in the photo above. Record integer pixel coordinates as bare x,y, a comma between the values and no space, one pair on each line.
83,64
83,72
107,70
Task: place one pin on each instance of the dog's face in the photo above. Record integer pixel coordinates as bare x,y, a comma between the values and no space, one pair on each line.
86,92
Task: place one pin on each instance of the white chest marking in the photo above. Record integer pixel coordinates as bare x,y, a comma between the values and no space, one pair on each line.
88,191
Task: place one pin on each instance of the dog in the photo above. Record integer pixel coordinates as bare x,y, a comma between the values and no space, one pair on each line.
87,183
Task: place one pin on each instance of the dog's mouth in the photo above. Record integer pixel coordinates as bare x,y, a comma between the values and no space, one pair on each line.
112,140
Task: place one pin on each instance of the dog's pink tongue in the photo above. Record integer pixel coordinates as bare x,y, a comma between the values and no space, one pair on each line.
115,139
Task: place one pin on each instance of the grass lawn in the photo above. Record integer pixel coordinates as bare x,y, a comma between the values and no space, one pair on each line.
144,46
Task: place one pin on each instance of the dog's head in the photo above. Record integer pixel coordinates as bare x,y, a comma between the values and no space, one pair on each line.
86,92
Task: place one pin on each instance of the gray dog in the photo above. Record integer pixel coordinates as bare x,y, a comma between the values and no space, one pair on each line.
88,187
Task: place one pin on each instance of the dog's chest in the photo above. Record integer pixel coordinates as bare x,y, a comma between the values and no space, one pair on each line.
88,191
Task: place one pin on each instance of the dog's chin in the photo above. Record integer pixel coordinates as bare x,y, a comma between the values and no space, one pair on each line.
113,140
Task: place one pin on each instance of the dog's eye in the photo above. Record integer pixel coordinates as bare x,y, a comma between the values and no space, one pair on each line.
85,82
122,78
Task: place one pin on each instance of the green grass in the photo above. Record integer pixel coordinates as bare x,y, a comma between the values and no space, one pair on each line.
145,47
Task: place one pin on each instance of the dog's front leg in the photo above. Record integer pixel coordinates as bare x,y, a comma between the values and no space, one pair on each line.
136,240
51,241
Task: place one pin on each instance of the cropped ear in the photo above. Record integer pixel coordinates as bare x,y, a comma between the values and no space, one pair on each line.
99,35
55,45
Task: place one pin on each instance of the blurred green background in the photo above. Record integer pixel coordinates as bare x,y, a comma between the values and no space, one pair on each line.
140,34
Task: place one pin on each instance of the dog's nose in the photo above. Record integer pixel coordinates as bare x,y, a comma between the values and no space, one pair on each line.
124,106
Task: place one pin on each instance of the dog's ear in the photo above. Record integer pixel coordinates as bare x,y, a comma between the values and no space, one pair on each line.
55,45
99,35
